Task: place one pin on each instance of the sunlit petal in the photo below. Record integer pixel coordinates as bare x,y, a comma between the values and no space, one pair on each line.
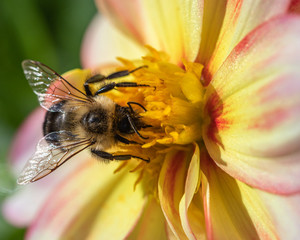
170,234
213,16
171,188
254,106
285,213
151,224
121,209
192,217
233,210
172,26
90,194
240,18
103,42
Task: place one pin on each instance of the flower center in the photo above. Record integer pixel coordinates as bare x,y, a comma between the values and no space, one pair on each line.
174,104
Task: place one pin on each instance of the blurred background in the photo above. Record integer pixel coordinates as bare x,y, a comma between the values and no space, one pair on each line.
49,31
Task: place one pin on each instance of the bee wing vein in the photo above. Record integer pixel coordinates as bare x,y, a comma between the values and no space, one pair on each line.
49,86
48,157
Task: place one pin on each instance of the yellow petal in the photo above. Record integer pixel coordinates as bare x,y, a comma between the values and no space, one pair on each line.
191,213
254,107
170,234
172,26
103,42
240,18
77,205
77,78
213,15
285,213
151,224
121,210
233,210
171,189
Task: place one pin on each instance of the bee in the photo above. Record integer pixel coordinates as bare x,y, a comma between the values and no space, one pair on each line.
77,120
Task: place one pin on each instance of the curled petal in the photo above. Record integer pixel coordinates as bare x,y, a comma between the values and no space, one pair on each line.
172,26
191,214
170,234
171,189
254,108
240,18
233,210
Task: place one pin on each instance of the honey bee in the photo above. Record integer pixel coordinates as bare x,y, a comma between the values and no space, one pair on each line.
77,120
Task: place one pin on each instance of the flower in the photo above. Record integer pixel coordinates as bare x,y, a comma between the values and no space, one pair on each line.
224,142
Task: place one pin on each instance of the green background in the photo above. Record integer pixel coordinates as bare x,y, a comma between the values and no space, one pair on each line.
49,31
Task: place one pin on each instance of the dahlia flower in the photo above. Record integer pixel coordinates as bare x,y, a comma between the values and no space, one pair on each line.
224,146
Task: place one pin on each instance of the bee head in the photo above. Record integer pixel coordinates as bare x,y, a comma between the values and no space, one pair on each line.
95,121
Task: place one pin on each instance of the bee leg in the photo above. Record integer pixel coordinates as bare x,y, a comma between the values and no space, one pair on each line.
112,85
99,78
124,140
109,156
123,73
93,79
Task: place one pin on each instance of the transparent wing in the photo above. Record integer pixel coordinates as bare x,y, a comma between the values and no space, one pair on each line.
49,86
51,152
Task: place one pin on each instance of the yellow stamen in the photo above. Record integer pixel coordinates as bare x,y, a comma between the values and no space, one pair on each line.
174,104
